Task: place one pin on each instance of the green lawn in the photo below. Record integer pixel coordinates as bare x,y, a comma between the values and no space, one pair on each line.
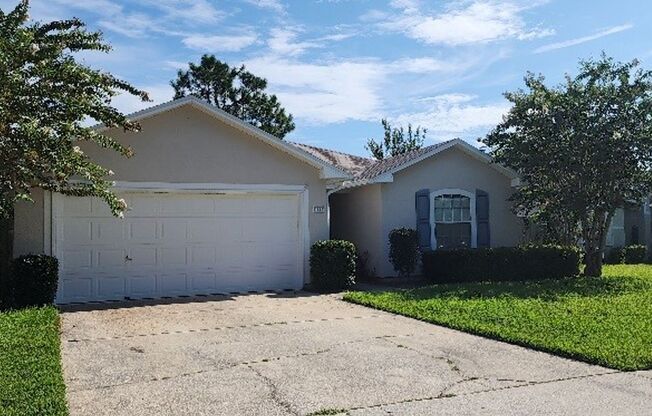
31,382
606,321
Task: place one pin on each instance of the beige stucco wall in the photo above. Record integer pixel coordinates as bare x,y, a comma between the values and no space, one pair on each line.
29,225
356,216
185,146
452,168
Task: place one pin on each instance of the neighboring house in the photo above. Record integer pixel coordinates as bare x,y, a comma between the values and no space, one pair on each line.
450,192
631,225
217,205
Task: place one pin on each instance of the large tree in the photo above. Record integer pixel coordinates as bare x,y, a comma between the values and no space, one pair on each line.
582,148
46,100
236,91
396,141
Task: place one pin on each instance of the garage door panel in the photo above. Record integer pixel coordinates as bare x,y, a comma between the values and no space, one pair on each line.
173,283
201,282
109,230
77,259
189,206
76,231
203,231
142,206
142,229
270,229
203,256
77,288
174,230
142,257
142,285
111,287
111,258
177,244
173,256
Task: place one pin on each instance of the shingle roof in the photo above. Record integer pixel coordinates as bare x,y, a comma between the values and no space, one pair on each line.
363,168
352,164
386,165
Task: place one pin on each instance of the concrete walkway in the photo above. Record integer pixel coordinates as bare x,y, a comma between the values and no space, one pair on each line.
296,354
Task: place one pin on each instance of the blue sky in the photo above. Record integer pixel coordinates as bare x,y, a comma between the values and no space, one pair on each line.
339,66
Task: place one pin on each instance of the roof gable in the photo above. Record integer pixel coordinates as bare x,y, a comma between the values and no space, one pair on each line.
327,170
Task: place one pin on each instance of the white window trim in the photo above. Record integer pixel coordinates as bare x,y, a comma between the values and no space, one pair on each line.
453,191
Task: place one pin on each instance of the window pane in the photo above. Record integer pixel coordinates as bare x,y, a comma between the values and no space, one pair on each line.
448,214
438,202
457,214
466,214
466,202
457,203
439,214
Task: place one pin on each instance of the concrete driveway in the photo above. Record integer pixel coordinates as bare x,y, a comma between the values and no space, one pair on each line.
296,354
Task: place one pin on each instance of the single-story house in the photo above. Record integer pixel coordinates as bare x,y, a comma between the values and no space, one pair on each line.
217,206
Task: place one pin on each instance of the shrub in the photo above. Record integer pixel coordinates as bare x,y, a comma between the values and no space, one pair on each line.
614,255
634,254
501,264
363,271
34,280
403,250
332,265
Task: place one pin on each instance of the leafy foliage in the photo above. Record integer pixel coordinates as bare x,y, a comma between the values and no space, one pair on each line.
501,264
606,321
236,91
403,250
396,141
31,381
332,265
34,280
582,148
45,98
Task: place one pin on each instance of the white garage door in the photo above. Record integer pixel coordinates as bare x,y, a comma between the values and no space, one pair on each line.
172,244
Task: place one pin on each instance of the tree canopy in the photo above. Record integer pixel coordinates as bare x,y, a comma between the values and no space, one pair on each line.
236,91
46,100
396,141
582,148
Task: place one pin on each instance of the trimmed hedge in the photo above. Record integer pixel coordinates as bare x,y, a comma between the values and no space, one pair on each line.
404,250
34,280
632,254
501,264
332,265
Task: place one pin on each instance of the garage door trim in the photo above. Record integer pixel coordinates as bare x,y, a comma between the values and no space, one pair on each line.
54,205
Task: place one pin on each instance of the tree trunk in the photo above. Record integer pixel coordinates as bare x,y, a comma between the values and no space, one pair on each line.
593,261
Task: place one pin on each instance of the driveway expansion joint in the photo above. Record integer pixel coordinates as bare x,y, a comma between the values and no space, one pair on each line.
221,328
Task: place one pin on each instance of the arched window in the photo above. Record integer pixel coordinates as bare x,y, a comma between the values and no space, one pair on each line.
453,219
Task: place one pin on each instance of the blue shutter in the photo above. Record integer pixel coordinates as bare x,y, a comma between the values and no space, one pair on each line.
422,206
482,218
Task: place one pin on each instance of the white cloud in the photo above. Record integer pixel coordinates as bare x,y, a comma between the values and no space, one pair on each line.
128,103
478,21
455,115
274,5
583,39
324,93
283,42
219,43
